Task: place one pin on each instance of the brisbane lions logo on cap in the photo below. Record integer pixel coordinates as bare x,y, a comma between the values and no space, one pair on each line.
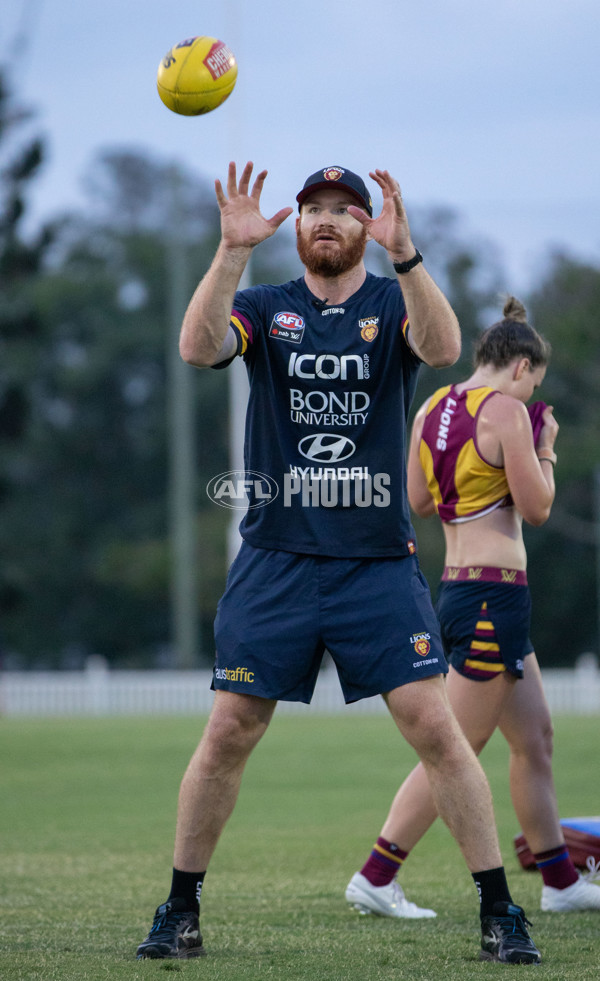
333,173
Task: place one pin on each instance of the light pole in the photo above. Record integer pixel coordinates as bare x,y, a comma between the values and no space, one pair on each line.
237,377
184,578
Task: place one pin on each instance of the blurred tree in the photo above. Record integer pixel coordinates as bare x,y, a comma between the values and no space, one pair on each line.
98,556
563,558
21,329
84,335
89,524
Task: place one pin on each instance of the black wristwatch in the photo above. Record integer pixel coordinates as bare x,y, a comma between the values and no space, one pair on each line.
404,267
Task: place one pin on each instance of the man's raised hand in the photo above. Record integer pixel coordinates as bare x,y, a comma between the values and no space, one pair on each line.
242,224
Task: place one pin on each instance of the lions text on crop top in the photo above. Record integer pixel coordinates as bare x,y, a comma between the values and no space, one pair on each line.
330,390
462,483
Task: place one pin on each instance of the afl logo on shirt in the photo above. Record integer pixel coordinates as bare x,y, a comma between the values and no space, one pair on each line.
287,327
326,448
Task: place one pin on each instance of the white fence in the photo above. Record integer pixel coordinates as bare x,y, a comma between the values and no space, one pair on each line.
98,691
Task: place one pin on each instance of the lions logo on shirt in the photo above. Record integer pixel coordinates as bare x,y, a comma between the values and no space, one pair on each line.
369,328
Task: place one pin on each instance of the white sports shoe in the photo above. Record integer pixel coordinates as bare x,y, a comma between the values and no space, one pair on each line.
383,900
582,895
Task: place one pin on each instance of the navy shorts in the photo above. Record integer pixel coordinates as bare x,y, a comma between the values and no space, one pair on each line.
281,611
485,627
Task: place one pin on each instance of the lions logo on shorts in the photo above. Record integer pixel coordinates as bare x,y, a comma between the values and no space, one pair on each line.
421,644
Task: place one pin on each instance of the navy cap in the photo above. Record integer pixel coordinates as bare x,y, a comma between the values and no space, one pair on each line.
331,177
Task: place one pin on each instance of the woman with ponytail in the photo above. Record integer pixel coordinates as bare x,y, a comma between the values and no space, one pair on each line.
482,463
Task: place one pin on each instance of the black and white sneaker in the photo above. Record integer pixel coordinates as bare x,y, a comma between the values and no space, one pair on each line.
504,936
175,933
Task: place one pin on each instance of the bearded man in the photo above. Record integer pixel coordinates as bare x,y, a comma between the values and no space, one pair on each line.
328,558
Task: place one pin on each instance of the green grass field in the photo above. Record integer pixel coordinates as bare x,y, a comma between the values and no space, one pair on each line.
87,811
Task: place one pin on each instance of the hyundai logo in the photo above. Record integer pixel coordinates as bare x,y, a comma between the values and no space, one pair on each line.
326,447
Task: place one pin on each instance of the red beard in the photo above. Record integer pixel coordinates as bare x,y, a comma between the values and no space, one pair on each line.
345,257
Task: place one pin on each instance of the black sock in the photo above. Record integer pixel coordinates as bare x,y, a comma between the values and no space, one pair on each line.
187,886
492,888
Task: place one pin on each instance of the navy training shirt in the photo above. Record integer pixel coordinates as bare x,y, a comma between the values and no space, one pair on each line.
330,391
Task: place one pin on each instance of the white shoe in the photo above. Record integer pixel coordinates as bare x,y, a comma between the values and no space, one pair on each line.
581,895
383,900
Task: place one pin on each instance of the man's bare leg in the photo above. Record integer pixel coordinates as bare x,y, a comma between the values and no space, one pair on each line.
211,783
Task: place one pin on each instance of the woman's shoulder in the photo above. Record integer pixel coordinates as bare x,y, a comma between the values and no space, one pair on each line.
505,411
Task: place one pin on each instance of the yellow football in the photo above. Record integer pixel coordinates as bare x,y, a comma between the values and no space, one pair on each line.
196,76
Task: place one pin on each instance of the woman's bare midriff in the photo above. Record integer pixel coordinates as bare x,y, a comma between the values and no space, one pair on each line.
496,539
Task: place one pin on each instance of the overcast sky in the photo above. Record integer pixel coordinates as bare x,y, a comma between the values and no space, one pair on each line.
492,109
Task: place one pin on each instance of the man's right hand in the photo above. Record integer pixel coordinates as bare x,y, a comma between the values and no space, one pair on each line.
242,224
